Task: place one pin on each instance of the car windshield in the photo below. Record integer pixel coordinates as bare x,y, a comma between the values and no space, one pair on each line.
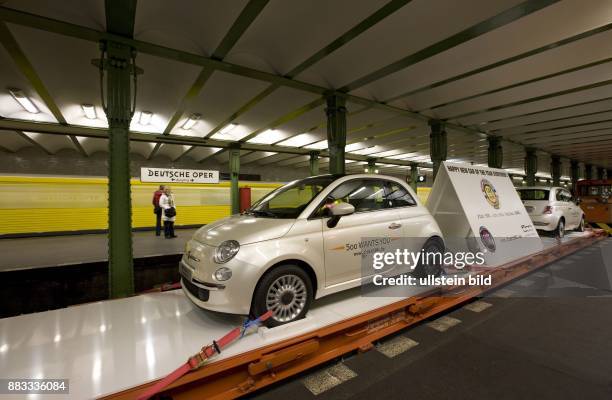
534,194
290,200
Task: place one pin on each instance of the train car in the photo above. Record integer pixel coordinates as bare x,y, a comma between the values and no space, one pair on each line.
56,205
51,205
596,202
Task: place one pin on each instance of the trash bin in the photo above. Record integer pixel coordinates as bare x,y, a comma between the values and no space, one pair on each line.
245,198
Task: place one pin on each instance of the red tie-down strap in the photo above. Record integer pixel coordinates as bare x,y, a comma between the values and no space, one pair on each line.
198,360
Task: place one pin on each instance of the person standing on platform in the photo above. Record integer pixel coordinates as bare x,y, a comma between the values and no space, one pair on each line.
157,210
166,202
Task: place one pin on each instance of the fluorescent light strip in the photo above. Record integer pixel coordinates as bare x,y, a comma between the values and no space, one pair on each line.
24,101
90,111
299,140
191,121
145,118
228,128
267,137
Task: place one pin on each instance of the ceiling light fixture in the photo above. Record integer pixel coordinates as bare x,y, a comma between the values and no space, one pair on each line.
145,117
191,121
89,110
267,137
25,102
228,128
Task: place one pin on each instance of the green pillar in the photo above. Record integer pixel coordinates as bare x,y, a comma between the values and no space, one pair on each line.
414,176
588,171
336,132
314,163
531,166
371,169
555,170
495,153
437,144
575,173
600,172
234,169
119,114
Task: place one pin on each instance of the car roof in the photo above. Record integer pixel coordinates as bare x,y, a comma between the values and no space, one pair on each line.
540,187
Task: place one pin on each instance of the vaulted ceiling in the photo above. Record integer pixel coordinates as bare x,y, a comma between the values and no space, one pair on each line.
537,73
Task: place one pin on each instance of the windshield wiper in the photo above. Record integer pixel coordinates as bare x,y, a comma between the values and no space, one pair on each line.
263,213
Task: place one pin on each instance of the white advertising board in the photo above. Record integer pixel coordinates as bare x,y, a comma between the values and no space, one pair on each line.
481,205
165,175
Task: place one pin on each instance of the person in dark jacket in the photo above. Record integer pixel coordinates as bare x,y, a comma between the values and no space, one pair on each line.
157,210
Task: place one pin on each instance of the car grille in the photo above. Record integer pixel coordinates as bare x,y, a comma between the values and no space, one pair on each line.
201,294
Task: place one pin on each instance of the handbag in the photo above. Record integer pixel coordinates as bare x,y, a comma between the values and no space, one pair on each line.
170,212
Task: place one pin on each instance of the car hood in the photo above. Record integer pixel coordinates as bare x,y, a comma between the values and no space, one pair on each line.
243,228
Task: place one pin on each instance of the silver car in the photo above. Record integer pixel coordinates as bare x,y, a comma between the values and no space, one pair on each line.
552,209
298,244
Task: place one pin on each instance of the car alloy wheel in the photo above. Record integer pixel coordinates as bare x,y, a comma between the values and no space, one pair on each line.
287,290
422,270
561,228
286,297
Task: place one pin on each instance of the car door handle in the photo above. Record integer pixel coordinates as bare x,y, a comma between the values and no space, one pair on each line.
395,225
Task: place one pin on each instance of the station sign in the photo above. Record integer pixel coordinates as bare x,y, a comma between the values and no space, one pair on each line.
169,175
480,207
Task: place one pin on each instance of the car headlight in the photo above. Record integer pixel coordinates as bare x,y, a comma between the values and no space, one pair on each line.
226,251
223,274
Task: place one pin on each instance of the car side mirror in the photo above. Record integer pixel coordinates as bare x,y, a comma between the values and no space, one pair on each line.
578,201
342,209
339,210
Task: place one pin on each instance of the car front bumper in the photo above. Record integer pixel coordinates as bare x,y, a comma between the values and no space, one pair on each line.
232,296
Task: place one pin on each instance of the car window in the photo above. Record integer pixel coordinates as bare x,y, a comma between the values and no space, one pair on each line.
398,196
363,194
534,194
560,195
568,196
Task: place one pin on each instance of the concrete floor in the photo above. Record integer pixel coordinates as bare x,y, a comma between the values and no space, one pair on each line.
546,336
25,253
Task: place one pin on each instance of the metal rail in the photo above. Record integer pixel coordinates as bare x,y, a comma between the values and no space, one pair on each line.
244,373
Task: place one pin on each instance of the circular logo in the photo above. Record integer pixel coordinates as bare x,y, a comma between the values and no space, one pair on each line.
487,239
490,193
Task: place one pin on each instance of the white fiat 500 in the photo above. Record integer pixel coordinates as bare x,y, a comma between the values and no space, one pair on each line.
298,243
552,209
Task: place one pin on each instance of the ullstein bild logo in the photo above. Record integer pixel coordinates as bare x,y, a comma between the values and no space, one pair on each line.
490,193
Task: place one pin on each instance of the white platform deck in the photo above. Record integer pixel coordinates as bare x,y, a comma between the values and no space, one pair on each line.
109,346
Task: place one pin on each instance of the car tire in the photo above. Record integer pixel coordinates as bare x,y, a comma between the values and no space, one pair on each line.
560,230
433,245
580,227
286,290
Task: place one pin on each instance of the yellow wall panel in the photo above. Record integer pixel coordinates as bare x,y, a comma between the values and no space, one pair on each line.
423,194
